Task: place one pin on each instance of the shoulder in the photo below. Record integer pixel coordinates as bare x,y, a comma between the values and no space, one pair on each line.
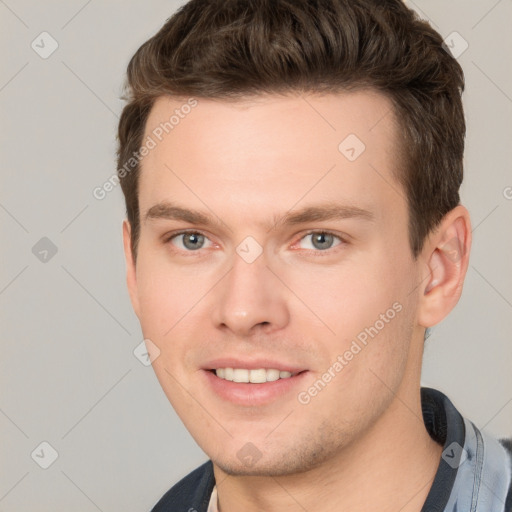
507,444
191,493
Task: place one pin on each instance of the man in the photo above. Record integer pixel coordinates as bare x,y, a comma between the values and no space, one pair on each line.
291,173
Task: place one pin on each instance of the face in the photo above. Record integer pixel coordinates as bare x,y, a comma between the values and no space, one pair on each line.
295,258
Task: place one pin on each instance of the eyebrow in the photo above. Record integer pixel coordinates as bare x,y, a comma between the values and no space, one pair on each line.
315,213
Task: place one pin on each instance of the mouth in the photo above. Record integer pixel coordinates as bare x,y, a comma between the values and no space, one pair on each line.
255,386
253,376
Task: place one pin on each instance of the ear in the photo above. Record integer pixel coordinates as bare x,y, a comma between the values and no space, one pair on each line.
131,275
446,256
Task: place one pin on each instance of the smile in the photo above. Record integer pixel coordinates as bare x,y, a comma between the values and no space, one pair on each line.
255,376
254,387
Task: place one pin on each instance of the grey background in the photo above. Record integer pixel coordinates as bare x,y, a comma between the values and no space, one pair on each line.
68,373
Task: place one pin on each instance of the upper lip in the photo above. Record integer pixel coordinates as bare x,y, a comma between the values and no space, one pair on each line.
253,364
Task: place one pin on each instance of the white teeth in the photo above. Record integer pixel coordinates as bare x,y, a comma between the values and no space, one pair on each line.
258,376
272,375
240,375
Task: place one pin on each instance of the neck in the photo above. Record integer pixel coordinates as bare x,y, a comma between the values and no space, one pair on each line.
389,467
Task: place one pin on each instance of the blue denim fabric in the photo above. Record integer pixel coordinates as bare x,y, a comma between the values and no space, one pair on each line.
483,477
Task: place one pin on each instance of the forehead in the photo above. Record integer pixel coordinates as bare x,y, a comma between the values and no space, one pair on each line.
270,149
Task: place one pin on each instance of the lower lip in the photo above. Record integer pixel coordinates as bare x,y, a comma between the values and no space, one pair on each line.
249,394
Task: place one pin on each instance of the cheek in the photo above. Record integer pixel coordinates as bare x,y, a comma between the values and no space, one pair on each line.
166,295
382,326
369,312
348,298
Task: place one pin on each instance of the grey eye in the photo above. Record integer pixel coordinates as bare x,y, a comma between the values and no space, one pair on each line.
192,241
321,240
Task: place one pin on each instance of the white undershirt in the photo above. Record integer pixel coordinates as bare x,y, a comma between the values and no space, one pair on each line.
212,506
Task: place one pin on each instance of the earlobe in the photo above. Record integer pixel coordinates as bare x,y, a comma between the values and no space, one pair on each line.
131,276
446,254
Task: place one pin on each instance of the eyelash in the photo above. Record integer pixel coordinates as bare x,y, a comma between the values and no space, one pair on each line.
316,253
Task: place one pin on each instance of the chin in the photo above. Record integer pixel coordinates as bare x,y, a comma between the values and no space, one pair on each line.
270,468
250,461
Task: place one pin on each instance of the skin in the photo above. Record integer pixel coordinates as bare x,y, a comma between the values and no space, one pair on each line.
359,444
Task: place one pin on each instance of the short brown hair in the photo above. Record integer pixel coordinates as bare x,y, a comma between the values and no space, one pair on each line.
232,49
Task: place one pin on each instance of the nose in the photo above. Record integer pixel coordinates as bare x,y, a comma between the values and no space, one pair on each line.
250,298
